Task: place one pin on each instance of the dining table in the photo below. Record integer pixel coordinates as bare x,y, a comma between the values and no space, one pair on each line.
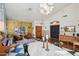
36,49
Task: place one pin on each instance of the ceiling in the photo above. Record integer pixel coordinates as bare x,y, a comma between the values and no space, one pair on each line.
30,11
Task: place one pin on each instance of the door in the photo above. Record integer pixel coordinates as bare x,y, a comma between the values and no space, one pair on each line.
38,31
54,31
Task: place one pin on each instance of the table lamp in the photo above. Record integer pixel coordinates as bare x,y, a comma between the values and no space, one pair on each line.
47,43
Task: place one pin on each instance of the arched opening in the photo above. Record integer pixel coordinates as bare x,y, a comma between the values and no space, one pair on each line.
54,30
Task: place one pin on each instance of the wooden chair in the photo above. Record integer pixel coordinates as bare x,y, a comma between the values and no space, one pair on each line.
4,50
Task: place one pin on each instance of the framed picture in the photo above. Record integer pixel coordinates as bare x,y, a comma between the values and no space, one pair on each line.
69,28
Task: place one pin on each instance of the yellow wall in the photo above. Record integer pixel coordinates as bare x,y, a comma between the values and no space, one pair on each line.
11,23
2,26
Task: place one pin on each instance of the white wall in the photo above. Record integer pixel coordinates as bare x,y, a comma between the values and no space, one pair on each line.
2,18
71,20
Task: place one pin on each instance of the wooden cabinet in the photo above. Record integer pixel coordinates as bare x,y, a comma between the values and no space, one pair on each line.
70,42
66,38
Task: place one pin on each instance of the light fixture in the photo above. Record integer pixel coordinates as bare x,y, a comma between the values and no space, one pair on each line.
30,9
50,4
46,8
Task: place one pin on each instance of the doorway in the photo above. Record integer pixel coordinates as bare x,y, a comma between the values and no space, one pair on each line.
38,31
54,31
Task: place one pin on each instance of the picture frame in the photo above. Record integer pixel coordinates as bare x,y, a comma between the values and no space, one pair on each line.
69,28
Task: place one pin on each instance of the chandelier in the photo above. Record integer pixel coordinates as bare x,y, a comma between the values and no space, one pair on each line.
46,8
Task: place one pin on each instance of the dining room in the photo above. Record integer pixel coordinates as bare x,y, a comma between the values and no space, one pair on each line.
39,29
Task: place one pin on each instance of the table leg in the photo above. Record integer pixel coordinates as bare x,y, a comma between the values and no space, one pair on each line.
73,47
